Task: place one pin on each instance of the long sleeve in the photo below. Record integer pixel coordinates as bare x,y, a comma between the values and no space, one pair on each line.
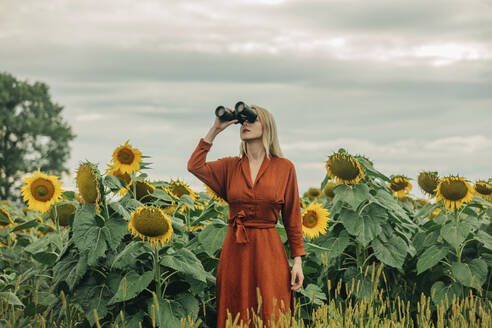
212,173
291,215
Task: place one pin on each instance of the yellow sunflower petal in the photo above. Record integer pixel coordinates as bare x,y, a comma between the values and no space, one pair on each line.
41,191
127,159
454,191
5,219
88,184
152,224
400,185
314,220
344,168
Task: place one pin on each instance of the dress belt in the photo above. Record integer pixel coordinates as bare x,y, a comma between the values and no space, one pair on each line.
239,224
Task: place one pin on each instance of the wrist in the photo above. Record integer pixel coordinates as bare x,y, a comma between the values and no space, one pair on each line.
297,259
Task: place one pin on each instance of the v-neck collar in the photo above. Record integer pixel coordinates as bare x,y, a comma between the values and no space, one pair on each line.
247,173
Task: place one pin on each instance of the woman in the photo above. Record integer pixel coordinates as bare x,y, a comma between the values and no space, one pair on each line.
257,186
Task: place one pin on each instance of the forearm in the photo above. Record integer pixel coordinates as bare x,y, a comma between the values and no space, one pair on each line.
212,133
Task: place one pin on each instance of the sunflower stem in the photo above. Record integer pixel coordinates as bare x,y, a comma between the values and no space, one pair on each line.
60,241
157,271
134,186
106,208
187,216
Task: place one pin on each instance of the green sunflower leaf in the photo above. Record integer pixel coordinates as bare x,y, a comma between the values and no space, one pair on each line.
135,284
431,257
455,234
185,261
471,274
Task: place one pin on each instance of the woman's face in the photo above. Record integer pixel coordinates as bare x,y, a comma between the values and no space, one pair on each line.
250,131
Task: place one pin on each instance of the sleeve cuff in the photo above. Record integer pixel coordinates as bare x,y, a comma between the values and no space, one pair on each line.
297,253
203,143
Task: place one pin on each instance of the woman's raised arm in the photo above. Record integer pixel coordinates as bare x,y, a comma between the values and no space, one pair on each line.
213,173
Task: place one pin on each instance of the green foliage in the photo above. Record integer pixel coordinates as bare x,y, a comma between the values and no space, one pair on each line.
31,127
373,243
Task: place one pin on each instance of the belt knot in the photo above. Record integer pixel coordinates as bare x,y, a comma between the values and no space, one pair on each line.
237,222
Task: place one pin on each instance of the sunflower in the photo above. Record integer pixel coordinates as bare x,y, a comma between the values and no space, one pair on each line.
483,189
111,170
400,185
328,190
168,191
315,220
89,184
180,188
303,204
41,191
127,159
422,201
5,219
344,168
312,193
428,182
151,223
214,196
63,211
143,189
454,191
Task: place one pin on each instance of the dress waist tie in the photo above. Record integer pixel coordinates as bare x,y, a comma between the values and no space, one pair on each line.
239,224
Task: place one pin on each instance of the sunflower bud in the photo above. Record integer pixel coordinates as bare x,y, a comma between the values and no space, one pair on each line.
483,189
344,168
428,182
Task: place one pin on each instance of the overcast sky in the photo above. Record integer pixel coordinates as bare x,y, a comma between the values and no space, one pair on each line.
406,83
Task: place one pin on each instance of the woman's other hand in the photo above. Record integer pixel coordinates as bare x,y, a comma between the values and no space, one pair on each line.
296,272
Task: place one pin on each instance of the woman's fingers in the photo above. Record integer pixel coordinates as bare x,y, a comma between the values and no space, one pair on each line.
296,274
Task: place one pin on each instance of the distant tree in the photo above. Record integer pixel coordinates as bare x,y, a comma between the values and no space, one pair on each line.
32,134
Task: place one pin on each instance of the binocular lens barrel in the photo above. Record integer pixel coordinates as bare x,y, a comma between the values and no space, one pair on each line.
242,112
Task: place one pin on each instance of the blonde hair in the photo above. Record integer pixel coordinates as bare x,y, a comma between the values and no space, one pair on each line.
269,137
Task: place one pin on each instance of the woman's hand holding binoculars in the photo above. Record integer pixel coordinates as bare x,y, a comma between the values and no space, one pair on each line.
218,127
225,116
221,125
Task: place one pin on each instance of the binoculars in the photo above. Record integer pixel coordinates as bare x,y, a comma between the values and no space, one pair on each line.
242,112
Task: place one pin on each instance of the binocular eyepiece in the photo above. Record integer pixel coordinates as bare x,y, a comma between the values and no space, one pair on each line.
242,112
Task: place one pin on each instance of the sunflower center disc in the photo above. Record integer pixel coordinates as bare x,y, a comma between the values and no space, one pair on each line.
483,189
428,183
397,186
150,224
126,156
454,190
310,220
179,191
344,168
42,190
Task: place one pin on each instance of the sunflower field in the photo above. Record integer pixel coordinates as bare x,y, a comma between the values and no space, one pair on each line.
125,251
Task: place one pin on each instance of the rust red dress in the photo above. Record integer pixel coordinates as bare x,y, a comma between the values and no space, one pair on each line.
253,254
